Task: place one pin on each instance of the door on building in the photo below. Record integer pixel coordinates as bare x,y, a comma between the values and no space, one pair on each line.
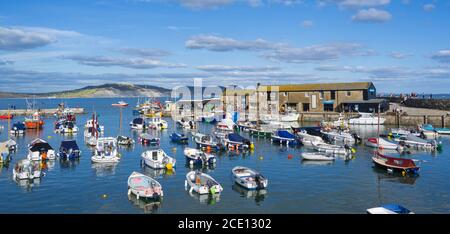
305,107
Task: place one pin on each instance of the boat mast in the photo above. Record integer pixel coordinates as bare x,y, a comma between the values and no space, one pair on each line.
257,105
378,128
120,122
9,123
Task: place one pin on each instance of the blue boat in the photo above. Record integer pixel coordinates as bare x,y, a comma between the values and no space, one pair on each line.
69,150
429,127
236,141
389,209
179,137
18,128
284,137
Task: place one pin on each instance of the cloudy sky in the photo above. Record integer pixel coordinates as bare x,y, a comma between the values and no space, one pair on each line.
400,45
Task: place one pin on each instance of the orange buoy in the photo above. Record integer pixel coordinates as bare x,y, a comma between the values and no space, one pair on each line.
289,156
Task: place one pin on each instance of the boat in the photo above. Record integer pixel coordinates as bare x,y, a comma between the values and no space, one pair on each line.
332,149
198,157
106,151
341,123
382,144
284,137
7,116
124,140
138,124
18,129
158,159
144,186
309,134
93,128
260,132
316,156
120,104
395,164
389,209
91,141
10,145
179,137
246,125
69,150
290,117
35,122
25,169
202,183
186,124
411,140
249,178
397,132
340,136
366,119
226,124
157,123
40,150
429,127
236,141
147,139
66,127
206,141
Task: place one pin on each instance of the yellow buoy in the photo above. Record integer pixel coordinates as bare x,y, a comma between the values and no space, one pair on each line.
403,173
174,149
261,158
252,146
169,166
353,150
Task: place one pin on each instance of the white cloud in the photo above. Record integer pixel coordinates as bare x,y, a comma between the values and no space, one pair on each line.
442,56
399,55
216,43
205,4
372,15
355,3
307,23
145,52
429,7
101,61
225,68
19,39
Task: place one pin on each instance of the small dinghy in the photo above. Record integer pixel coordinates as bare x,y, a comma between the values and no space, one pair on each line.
66,127
26,170
179,138
202,183
69,150
411,140
157,123
18,129
147,139
206,141
383,144
198,157
395,164
308,135
10,145
332,149
389,209
249,178
144,186
314,156
236,141
106,151
138,124
284,137
186,124
158,159
341,136
124,140
429,127
40,150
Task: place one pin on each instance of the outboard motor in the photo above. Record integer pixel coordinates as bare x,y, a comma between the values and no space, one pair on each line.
357,138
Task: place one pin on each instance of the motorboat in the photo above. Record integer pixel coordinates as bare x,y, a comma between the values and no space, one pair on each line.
332,149
66,127
106,151
202,183
186,124
69,150
236,141
284,137
442,131
226,124
10,145
18,128
35,122
246,125
382,143
249,178
6,116
206,141
157,123
261,132
308,135
411,140
289,117
179,137
366,119
316,156
124,140
397,132
26,169
198,157
147,139
389,209
158,159
144,186
138,124
120,104
39,150
395,164
340,136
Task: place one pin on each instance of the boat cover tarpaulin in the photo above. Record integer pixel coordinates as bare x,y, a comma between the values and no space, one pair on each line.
138,121
67,145
397,209
42,146
236,138
285,134
19,126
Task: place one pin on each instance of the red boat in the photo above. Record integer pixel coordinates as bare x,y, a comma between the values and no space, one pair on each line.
121,104
35,122
10,116
398,164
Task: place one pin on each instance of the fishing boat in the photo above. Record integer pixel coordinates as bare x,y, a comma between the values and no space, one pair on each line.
158,159
18,129
124,140
35,122
179,138
25,169
429,127
316,156
39,150
69,150
7,116
340,136
147,139
202,183
144,186
66,127
157,123
389,209
198,157
206,141
120,104
106,151
138,124
382,143
249,178
332,149
236,141
284,137
411,140
366,119
395,164
186,124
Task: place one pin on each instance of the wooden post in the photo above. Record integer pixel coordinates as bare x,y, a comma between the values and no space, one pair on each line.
425,119
443,121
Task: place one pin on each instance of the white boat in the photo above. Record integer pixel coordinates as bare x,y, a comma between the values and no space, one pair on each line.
414,141
157,123
308,139
206,141
106,151
158,159
290,117
366,119
66,127
332,149
91,141
396,132
26,170
202,183
341,122
341,136
226,124
389,209
186,124
314,156
91,123
384,144
124,140
138,124
198,157
39,150
144,186
249,178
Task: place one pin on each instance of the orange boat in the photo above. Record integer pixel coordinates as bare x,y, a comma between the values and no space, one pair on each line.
35,122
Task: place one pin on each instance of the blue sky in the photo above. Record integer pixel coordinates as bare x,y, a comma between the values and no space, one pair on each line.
400,45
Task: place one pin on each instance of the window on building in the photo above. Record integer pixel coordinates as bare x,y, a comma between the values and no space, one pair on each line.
321,95
269,96
349,93
333,95
285,94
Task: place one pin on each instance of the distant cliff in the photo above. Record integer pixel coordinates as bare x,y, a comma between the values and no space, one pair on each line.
105,90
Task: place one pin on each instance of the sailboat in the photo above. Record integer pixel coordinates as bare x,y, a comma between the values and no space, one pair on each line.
121,139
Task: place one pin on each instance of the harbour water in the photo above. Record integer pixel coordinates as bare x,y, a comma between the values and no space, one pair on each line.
295,186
